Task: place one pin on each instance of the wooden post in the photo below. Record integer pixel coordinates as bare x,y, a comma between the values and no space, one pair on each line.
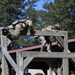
65,66
0,53
4,43
4,63
27,61
19,59
65,60
66,42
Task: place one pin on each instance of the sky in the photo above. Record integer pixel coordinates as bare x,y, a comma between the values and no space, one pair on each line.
41,2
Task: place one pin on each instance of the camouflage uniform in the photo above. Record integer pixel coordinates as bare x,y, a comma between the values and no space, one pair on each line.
19,25
45,39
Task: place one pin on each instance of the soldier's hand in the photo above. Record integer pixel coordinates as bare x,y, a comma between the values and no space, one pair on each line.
4,32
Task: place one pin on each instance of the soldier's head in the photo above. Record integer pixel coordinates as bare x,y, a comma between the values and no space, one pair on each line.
56,26
26,70
5,32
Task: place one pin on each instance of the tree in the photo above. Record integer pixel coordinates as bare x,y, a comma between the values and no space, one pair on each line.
62,12
9,11
59,11
30,11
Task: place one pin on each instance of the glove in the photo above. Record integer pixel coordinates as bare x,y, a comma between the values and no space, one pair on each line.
5,32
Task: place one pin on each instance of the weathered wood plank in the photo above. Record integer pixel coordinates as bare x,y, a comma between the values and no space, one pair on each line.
11,61
48,33
47,54
65,67
45,33
19,60
27,61
7,55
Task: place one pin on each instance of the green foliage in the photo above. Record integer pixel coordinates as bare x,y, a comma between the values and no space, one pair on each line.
26,41
9,11
62,12
39,74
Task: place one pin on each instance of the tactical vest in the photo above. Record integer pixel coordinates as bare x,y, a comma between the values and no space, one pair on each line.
18,23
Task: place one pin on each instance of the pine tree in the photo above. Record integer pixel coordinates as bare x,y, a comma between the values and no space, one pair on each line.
9,11
62,12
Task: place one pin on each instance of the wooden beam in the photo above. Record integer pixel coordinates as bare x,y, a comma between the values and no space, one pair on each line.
27,61
4,62
65,66
48,33
47,54
45,33
19,60
66,43
7,55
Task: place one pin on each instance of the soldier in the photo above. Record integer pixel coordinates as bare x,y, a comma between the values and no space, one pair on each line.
56,27
26,72
19,25
45,39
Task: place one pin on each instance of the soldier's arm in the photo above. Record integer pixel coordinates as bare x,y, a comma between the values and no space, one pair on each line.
10,27
22,20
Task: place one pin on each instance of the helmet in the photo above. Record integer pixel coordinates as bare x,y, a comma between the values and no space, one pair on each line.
57,26
5,32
